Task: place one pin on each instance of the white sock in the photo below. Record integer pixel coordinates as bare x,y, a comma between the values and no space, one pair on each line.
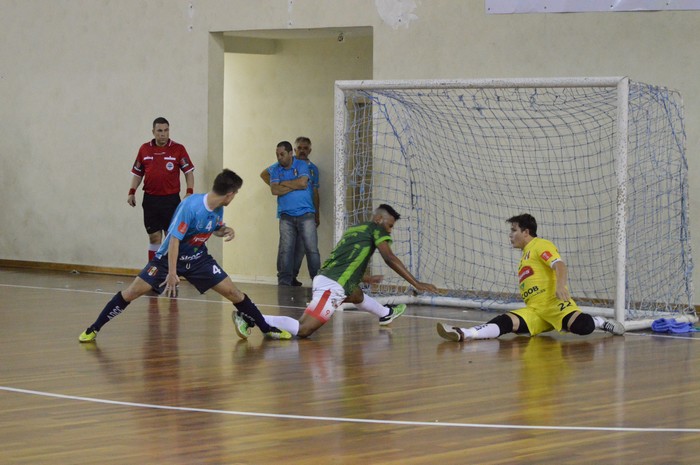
599,321
485,331
372,306
283,322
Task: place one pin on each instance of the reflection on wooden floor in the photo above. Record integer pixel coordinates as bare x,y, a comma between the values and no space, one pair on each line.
168,382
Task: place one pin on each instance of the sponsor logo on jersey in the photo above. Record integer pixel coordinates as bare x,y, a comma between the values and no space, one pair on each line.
546,255
189,258
169,158
198,238
169,166
152,271
148,158
529,292
182,228
525,273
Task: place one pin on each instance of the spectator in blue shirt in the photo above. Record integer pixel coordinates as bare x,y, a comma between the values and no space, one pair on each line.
289,181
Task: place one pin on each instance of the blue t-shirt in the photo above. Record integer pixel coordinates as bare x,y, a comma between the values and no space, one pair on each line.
297,202
193,223
314,181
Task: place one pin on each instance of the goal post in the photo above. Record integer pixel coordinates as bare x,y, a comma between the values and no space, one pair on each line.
600,163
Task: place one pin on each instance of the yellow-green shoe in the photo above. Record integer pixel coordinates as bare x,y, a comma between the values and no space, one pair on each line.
88,335
395,311
280,334
240,325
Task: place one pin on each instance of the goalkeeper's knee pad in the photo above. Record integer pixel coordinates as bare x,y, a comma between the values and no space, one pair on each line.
504,323
582,325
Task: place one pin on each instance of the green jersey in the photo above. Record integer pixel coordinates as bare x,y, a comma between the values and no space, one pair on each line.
347,263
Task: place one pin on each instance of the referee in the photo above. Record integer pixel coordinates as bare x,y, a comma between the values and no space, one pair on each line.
158,164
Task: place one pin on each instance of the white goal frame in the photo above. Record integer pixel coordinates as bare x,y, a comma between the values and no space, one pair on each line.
620,83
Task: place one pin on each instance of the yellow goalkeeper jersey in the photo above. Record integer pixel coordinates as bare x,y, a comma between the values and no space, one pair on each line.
535,274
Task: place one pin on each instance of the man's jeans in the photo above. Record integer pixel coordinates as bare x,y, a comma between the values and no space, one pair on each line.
292,227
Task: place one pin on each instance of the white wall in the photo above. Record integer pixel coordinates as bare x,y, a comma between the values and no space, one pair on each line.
81,81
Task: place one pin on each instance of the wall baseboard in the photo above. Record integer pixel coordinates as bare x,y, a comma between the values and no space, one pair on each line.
69,267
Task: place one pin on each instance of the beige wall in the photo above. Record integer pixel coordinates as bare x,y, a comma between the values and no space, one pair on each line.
273,97
81,81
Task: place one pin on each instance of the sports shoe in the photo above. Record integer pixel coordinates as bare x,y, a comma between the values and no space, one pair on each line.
395,311
614,327
240,325
278,334
88,335
451,333
297,283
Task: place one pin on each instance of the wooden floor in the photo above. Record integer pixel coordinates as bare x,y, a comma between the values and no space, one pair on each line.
168,382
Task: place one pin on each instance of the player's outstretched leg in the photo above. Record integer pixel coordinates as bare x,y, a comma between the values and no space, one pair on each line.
113,308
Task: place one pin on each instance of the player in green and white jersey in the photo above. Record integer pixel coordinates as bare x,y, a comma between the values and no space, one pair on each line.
339,279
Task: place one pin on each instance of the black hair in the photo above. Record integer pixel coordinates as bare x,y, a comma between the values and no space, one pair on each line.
286,144
226,182
525,221
160,120
389,210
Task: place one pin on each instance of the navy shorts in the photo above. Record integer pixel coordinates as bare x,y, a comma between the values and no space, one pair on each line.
203,272
158,210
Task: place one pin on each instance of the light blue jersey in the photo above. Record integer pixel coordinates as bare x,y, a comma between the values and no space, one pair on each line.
193,223
297,202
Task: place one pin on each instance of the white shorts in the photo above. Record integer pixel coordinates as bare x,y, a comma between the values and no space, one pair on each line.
327,296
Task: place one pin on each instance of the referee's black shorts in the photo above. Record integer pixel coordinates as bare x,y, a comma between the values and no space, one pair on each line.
158,211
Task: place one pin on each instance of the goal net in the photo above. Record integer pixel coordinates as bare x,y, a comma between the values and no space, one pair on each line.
599,162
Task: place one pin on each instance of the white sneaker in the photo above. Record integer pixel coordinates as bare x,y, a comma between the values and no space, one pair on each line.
614,327
451,333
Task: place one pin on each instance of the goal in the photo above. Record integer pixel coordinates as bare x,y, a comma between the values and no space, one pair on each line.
599,162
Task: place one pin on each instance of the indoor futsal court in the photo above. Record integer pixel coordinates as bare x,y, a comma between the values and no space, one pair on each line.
168,382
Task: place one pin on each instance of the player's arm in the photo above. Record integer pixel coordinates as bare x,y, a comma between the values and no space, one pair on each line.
172,280
189,180
226,232
561,272
397,265
135,183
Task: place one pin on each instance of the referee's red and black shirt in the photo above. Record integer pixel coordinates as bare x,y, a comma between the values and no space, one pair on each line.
160,167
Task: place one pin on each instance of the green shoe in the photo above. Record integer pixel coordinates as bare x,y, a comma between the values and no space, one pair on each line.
88,335
240,325
278,334
395,311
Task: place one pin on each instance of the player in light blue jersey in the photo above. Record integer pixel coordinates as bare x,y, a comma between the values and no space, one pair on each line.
184,253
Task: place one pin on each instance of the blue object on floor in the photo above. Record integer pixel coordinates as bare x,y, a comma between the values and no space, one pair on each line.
670,325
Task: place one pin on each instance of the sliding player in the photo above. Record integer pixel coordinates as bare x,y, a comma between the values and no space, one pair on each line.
339,279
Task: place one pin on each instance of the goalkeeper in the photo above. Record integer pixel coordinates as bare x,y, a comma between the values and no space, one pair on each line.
542,275
339,279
